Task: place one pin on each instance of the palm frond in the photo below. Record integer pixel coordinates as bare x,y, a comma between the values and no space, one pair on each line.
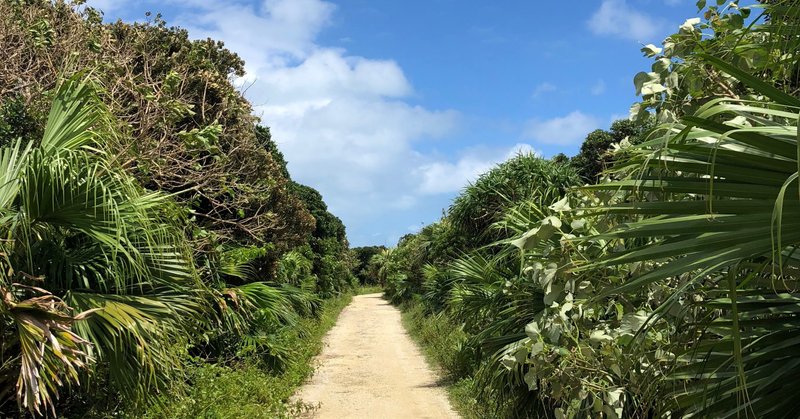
714,191
51,353
138,337
75,111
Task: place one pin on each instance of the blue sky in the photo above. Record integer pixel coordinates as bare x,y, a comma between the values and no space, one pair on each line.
389,108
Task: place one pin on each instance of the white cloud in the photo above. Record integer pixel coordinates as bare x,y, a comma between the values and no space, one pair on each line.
358,152
543,88
271,34
569,129
615,17
446,177
346,124
598,88
343,122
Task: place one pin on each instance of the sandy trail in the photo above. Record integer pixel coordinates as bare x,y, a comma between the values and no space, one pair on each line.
370,368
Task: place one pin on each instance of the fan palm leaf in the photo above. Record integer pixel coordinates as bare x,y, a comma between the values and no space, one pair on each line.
714,191
78,231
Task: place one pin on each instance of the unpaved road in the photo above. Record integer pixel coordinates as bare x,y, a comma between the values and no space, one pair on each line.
370,368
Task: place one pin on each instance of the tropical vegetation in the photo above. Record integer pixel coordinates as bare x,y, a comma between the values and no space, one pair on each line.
155,252
158,260
652,275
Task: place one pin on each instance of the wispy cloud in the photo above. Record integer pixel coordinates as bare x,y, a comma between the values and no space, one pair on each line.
415,228
446,177
616,117
543,88
598,88
617,18
488,35
565,130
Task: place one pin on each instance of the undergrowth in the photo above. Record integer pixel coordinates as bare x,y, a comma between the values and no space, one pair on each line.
444,345
369,289
250,390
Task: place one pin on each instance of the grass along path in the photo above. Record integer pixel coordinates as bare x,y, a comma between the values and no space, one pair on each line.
370,368
248,390
442,340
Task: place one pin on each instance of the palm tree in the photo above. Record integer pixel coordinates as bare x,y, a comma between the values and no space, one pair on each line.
92,272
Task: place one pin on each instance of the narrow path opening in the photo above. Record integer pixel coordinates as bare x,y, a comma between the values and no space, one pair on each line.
370,368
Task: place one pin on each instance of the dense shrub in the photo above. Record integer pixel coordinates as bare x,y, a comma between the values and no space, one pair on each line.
363,256
525,176
664,287
597,151
163,232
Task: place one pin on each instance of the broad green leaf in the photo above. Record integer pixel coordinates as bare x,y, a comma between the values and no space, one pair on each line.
651,50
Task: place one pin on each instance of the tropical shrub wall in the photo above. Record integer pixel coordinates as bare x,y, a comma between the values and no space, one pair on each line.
149,223
663,283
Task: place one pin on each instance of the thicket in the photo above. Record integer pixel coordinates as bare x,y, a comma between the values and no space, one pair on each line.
365,268
664,283
151,233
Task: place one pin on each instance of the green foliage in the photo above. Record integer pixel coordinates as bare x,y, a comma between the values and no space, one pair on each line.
252,389
151,232
681,80
83,238
17,122
296,267
205,140
560,158
592,158
442,241
231,391
597,151
328,225
444,340
264,137
153,238
525,176
724,225
363,256
333,264
667,289
182,126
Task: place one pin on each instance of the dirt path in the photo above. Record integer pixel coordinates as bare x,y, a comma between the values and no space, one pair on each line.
370,368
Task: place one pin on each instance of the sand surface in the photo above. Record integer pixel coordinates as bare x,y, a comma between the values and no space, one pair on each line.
370,368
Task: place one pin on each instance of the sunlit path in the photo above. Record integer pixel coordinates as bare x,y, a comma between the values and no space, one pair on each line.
370,368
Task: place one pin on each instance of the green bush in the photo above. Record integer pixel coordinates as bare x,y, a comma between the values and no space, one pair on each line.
524,177
146,220
443,340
